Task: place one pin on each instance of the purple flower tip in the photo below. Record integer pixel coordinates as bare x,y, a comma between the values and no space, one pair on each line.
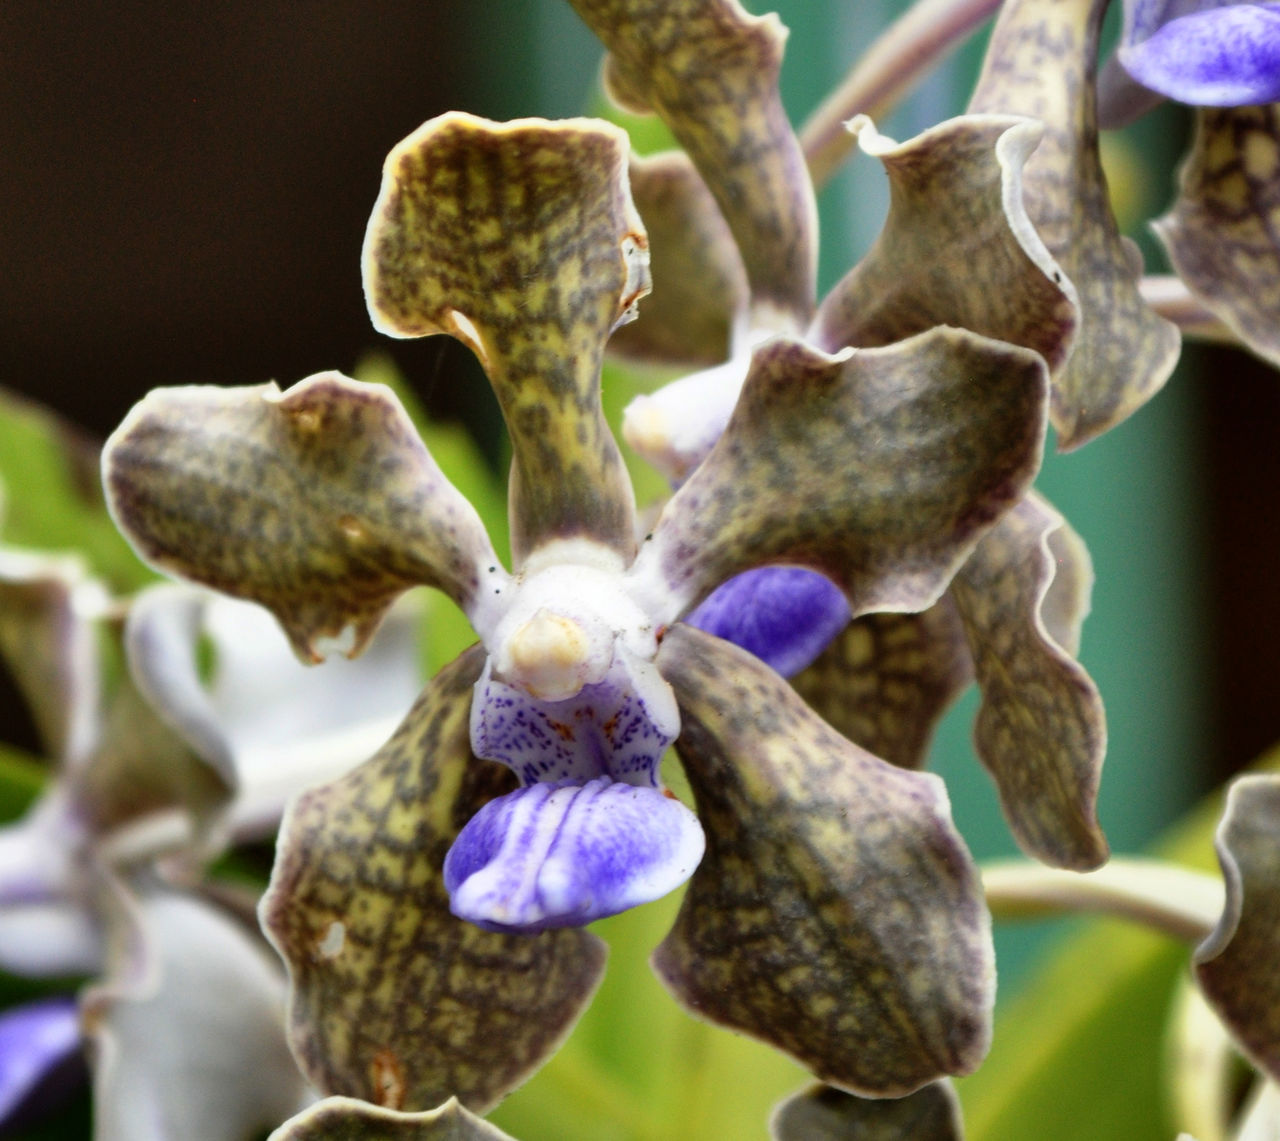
562,855
1213,56
786,616
35,1039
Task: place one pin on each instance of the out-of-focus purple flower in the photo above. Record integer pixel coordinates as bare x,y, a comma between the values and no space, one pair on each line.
1209,53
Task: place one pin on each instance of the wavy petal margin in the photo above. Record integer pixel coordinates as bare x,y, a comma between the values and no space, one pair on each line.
1236,964
821,1113
521,240
887,679
710,70
879,468
836,914
1041,730
957,247
1221,234
353,1120
393,999
701,286
1042,62
321,503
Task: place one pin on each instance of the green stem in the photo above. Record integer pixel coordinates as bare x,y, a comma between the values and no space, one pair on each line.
1166,897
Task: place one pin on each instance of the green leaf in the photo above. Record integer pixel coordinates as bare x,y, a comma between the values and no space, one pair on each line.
1078,1052
53,494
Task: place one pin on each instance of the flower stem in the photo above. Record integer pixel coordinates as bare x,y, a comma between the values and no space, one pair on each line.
1166,897
886,72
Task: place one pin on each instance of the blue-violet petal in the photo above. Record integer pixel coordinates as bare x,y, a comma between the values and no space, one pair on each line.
563,855
1216,57
34,1039
786,616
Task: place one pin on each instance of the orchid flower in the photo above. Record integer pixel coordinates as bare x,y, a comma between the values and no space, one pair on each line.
429,904
1223,59
731,225
158,768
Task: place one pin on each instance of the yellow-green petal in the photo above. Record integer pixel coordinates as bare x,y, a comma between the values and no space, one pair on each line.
711,71
1041,730
957,247
880,468
887,679
1042,62
393,999
1236,965
836,914
521,240
321,503
1221,234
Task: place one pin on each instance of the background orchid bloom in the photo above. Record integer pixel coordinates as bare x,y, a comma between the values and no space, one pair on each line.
159,767
881,468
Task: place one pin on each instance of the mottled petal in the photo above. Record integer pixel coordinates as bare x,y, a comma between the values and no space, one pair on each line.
564,855
711,71
886,681
701,286
786,616
836,914
193,1046
1215,55
821,1113
1236,965
521,240
320,502
1041,731
395,1000
1042,62
48,647
957,247
1221,234
880,468
618,727
35,1039
353,1120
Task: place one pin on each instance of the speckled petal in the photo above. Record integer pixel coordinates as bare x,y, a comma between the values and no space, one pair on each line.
48,646
880,468
1221,234
1207,54
521,240
618,727
957,247
836,914
1236,965
701,286
320,502
786,616
711,71
1041,62
886,681
1041,730
821,1113
352,1120
565,855
394,1000
202,1018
